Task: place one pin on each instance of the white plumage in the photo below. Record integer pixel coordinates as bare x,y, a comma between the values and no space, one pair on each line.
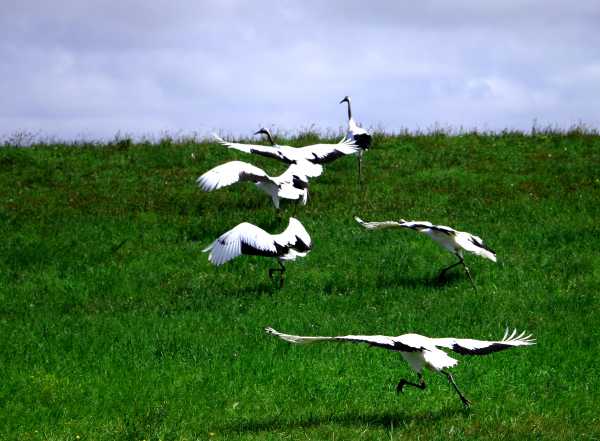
249,239
422,352
315,155
292,184
357,134
453,240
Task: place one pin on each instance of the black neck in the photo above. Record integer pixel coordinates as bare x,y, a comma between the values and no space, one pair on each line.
269,136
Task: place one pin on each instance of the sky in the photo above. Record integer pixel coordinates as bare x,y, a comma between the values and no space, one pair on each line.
95,69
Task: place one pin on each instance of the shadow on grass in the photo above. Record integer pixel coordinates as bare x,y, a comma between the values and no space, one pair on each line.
387,280
448,279
351,419
266,287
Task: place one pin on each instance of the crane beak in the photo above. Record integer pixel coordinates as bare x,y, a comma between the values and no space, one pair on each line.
345,100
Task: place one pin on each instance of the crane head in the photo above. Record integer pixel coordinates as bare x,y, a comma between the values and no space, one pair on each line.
264,131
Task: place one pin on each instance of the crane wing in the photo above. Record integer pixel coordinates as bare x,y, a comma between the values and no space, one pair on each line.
424,225
475,245
467,346
245,238
324,153
263,150
363,140
373,340
377,225
230,173
294,236
303,169
413,225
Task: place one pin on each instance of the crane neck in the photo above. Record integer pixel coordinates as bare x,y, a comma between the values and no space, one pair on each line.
349,110
270,138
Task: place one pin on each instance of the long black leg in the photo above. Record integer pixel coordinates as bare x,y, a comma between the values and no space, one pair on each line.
403,382
360,170
279,270
464,400
443,272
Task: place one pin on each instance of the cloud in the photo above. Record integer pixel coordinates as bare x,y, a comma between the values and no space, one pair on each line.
96,68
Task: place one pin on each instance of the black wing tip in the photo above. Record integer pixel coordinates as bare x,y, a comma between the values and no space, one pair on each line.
364,141
481,351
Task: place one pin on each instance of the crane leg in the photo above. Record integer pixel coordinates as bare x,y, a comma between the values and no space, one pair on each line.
360,171
443,272
450,378
469,274
281,271
275,200
403,382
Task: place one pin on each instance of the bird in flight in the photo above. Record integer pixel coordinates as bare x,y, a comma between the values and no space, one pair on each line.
422,352
292,184
315,155
248,239
453,240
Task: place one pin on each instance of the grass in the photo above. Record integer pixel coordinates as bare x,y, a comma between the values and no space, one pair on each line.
113,325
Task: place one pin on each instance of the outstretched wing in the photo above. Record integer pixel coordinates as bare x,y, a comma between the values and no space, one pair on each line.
245,238
294,236
295,175
373,340
324,153
263,150
467,346
425,225
377,225
230,173
303,169
413,225
475,245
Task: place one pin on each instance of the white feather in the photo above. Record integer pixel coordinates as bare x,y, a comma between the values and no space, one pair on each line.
314,154
418,350
229,245
278,187
453,240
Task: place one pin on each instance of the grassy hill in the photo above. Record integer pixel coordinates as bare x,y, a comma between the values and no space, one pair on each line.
113,325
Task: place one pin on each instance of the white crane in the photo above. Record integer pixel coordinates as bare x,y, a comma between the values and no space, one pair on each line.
316,154
453,240
251,240
423,352
292,184
359,135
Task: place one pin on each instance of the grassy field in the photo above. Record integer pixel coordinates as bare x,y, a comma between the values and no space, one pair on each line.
114,326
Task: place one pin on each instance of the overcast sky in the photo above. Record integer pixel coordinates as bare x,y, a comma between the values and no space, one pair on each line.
90,69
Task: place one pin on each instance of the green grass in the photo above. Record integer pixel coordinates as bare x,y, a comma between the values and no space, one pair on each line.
114,326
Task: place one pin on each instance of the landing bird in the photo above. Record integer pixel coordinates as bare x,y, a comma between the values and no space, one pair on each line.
315,155
292,184
454,241
251,240
423,352
359,135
